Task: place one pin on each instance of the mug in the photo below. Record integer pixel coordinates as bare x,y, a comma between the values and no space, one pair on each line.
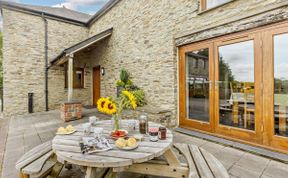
93,120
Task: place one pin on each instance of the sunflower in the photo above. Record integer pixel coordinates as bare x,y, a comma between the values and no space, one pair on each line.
110,108
134,104
131,98
101,104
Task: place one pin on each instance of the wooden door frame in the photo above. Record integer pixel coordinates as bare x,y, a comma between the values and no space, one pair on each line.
266,127
93,85
241,133
270,138
183,120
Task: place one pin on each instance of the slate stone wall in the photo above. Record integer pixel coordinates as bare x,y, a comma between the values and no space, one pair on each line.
144,41
24,59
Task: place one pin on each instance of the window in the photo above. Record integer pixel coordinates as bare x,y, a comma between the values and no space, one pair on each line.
78,78
208,4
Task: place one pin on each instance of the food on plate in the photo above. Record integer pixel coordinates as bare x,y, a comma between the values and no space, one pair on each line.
118,133
61,130
66,130
131,142
121,143
70,128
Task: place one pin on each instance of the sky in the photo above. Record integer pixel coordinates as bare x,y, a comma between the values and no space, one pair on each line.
240,58
86,6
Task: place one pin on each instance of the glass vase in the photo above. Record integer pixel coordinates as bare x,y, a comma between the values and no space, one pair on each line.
116,122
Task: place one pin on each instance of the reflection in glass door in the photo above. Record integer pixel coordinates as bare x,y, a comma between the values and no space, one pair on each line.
197,85
281,85
236,85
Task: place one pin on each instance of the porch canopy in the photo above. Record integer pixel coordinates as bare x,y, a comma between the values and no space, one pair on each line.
67,55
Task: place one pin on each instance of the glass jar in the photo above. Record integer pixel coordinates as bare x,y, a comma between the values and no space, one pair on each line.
143,124
132,125
153,133
162,133
116,122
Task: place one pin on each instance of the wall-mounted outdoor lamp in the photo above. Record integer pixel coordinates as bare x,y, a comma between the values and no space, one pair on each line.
102,71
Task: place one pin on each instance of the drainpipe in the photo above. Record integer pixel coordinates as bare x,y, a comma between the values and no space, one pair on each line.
46,61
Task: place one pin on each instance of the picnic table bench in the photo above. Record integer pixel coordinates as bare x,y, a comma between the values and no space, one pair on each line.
39,162
143,160
150,158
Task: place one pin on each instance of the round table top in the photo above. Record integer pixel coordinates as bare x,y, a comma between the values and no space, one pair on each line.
67,148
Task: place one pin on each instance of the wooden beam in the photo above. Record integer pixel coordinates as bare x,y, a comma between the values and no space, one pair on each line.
70,77
159,170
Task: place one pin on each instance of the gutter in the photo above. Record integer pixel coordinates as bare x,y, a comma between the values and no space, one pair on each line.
106,8
46,61
6,5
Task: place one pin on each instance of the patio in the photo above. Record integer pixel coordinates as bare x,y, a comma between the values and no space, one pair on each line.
26,132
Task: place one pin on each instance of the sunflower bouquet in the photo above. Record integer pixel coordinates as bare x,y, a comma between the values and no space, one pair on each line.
127,100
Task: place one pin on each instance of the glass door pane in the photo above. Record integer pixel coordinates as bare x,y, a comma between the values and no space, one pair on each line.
281,85
197,85
236,85
214,3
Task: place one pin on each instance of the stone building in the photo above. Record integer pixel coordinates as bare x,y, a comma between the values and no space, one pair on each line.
151,39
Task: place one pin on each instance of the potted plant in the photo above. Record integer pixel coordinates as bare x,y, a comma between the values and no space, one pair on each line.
124,81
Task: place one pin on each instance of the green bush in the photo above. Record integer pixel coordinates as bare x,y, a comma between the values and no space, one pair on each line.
140,97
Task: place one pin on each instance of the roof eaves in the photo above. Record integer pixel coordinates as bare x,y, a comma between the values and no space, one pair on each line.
79,45
109,5
40,13
89,40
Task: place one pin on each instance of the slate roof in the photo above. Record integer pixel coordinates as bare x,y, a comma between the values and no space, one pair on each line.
62,13
56,12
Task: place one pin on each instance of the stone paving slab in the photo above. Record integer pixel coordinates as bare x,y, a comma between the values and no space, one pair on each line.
249,148
28,131
3,137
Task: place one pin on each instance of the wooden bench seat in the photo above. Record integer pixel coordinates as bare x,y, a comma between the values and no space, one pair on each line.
200,164
39,162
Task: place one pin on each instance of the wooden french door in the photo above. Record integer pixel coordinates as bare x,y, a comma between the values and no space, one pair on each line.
96,84
236,86
196,78
275,107
238,77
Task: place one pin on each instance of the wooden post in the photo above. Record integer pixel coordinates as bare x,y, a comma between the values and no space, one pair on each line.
282,119
235,110
70,77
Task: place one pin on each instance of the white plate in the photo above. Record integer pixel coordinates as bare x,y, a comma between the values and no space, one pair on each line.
129,148
67,133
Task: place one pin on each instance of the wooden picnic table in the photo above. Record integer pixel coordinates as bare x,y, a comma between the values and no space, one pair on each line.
67,149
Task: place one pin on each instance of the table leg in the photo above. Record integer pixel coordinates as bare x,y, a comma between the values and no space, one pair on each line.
111,174
90,172
171,158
